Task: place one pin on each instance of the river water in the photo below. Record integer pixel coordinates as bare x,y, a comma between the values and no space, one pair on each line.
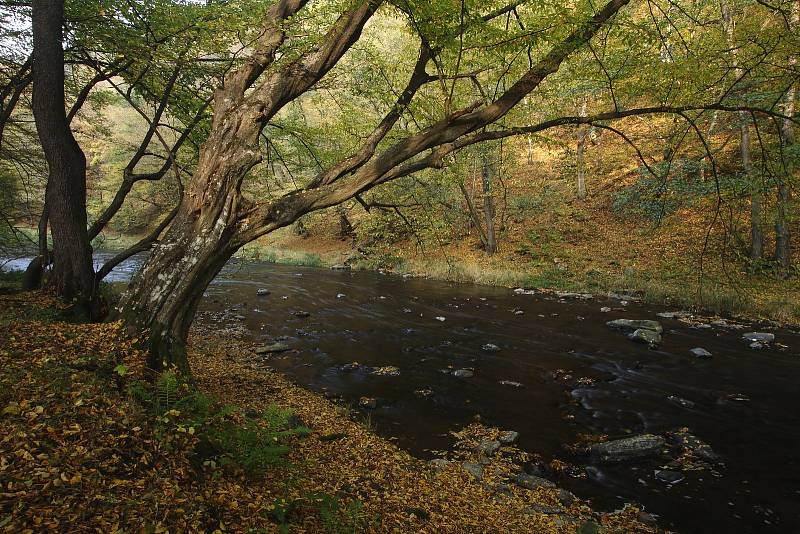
578,377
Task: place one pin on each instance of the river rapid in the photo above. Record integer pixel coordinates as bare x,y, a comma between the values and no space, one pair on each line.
547,367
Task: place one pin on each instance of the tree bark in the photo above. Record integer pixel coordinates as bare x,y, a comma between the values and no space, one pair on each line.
72,276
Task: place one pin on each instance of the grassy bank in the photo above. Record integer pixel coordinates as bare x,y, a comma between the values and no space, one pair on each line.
731,293
92,441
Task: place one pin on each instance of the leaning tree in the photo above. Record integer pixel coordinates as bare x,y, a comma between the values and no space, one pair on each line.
215,218
286,62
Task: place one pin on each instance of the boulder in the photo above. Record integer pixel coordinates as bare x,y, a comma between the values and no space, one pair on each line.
530,482
631,325
262,292
627,448
476,470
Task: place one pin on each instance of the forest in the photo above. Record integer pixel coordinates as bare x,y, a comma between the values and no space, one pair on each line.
366,266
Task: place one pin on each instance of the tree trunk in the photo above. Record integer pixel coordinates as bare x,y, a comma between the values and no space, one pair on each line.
72,275
488,204
583,135
783,251
162,298
756,197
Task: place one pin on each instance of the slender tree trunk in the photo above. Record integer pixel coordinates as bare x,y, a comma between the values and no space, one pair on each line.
783,251
72,275
488,203
756,197
583,135
473,212
345,228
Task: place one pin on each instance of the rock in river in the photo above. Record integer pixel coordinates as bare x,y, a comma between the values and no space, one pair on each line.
490,347
649,337
760,337
274,347
631,325
627,448
262,292
700,352
463,373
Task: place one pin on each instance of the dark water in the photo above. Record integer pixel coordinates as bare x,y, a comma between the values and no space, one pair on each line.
380,320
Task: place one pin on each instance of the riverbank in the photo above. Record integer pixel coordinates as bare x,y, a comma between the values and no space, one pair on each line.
736,294
91,440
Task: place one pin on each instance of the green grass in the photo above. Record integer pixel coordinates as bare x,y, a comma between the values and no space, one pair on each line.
257,252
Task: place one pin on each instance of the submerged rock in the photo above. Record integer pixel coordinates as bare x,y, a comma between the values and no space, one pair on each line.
511,383
700,352
490,347
463,373
274,347
628,448
301,314
631,325
680,401
670,477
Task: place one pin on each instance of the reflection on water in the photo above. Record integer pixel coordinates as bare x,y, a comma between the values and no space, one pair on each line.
577,376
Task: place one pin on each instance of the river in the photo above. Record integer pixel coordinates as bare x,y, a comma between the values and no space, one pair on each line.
577,376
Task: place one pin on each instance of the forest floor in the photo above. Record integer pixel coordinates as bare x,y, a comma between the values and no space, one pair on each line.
93,442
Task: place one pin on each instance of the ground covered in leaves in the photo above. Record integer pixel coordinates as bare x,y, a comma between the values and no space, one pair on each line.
91,441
